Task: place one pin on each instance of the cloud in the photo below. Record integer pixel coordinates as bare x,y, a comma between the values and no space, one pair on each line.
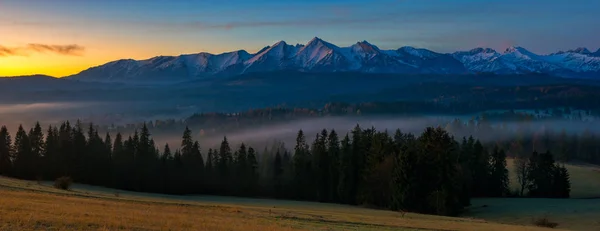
5,51
71,49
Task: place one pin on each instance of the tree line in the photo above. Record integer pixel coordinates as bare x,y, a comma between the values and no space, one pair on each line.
430,173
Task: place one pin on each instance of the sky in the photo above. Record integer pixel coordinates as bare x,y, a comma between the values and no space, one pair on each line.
64,37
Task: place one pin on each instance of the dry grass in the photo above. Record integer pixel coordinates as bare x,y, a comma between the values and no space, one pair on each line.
572,214
29,206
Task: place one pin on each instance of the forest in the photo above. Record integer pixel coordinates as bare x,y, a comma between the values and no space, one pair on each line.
219,122
433,172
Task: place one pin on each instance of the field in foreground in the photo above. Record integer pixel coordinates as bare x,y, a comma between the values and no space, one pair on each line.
27,205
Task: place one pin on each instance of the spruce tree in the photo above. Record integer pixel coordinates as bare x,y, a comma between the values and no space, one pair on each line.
209,163
333,152
405,181
165,170
197,168
562,182
5,152
347,171
252,171
224,165
439,172
187,144
277,176
302,169
36,139
25,159
321,166
498,183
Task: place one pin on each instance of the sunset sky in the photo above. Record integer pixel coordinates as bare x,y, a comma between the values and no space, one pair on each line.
63,37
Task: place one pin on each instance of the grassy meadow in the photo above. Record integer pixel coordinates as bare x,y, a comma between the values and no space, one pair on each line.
28,205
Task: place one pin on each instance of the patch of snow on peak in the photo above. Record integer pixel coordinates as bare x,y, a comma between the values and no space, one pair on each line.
418,52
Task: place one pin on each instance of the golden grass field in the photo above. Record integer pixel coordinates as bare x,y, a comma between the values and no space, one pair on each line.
30,206
27,205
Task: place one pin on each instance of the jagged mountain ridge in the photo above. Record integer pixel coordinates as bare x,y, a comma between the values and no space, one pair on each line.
321,56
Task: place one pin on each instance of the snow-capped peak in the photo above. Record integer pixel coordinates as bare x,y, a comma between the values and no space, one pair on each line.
314,51
516,49
519,53
580,50
316,42
321,56
365,47
482,50
418,52
279,44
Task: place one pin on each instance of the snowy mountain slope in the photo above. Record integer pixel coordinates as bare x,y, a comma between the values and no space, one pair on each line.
429,62
321,56
484,60
520,60
318,55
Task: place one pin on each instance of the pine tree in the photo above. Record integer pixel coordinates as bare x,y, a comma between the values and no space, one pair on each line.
498,183
25,159
333,151
209,163
187,144
197,171
562,182
79,144
252,171
359,146
540,172
277,176
5,152
224,163
36,139
479,164
179,173
375,188
52,158
302,169
241,167
321,166
439,172
165,174
346,182
405,181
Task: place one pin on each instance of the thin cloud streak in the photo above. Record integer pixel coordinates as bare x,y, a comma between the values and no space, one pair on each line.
71,49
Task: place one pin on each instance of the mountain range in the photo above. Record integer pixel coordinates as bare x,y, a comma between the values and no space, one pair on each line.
321,56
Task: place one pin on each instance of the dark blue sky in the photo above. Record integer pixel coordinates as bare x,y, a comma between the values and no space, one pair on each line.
143,28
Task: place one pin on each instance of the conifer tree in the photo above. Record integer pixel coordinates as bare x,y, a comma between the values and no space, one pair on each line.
165,171
224,164
25,159
405,181
498,183
562,182
5,152
346,182
302,169
209,163
253,170
333,152
187,143
277,175
36,139
321,166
